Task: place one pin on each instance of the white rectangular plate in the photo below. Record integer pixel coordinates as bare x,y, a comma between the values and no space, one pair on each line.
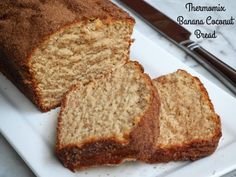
32,133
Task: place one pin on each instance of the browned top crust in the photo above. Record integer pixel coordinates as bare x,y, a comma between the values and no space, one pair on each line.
25,23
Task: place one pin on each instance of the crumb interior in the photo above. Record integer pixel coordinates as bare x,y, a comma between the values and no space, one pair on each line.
79,53
185,114
110,107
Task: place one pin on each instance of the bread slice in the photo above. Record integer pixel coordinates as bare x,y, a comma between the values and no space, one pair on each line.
189,127
47,46
108,121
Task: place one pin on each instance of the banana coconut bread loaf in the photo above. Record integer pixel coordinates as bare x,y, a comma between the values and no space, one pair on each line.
108,121
189,127
47,46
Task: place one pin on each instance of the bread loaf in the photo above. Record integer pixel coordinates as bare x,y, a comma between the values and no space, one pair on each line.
47,46
108,121
189,127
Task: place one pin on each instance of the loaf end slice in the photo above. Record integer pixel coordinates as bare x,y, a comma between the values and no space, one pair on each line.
108,121
189,127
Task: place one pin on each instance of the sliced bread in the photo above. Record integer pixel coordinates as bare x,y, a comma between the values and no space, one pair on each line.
108,121
189,127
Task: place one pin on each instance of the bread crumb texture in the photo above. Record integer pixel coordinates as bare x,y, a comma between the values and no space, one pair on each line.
50,45
186,113
82,52
110,107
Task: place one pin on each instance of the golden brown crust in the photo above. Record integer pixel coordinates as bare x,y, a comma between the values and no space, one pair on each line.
94,153
24,25
143,137
193,150
196,148
13,74
101,151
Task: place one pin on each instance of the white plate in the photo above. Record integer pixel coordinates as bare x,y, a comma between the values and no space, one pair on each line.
32,133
